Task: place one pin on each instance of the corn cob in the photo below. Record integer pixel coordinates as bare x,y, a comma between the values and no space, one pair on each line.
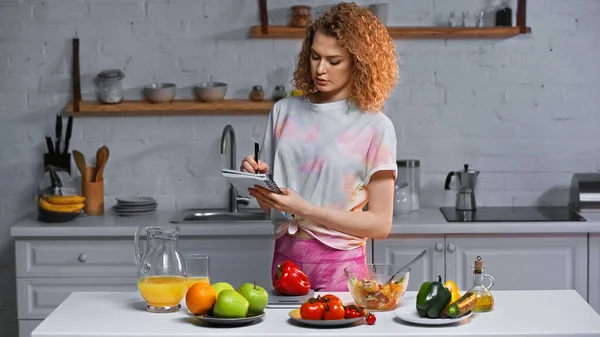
69,208
65,199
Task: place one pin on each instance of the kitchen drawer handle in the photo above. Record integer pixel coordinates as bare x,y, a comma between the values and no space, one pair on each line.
451,247
439,246
82,257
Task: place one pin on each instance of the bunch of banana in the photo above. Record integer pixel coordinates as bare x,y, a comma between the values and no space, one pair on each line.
62,203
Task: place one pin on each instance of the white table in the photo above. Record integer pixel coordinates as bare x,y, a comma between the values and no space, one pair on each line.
516,313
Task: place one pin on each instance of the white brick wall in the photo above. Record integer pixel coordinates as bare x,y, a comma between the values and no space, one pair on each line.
522,110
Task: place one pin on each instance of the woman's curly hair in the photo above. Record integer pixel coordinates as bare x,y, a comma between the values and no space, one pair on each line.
375,71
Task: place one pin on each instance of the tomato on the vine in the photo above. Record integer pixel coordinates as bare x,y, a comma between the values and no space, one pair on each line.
370,319
312,309
329,298
352,311
333,310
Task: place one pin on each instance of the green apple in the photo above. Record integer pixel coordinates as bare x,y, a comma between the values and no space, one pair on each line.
220,286
230,304
257,296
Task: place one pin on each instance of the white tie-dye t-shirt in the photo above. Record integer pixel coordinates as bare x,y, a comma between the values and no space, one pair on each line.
326,153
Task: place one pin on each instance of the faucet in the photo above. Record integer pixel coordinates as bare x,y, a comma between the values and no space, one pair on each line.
234,198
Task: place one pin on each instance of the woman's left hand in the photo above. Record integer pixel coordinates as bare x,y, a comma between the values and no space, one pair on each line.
289,201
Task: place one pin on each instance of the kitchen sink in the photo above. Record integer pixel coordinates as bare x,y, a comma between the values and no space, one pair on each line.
207,215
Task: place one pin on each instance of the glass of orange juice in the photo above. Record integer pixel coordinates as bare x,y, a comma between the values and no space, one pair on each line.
198,266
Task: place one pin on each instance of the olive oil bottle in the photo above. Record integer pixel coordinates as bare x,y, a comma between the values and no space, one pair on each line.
485,300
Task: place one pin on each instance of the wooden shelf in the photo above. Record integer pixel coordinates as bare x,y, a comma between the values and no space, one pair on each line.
176,107
284,32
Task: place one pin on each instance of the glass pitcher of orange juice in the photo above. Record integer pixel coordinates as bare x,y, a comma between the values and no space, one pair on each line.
161,268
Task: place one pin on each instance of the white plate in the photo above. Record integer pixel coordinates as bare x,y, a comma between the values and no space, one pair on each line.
134,209
409,314
136,200
133,213
295,315
124,204
120,211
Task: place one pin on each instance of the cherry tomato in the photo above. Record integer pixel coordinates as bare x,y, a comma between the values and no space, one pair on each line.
352,311
312,309
333,311
370,319
329,298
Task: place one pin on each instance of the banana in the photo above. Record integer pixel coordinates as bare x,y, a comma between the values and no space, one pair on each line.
69,208
65,199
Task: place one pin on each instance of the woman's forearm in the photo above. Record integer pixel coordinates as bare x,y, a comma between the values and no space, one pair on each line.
375,223
363,224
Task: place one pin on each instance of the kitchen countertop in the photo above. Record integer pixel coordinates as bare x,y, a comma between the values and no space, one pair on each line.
423,222
516,313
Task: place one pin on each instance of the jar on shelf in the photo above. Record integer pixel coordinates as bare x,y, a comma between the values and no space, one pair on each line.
109,87
257,93
300,16
279,93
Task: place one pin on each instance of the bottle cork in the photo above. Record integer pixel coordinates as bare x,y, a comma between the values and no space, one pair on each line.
478,267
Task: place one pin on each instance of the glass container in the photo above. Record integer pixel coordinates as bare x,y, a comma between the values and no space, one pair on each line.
257,93
198,268
300,16
485,300
161,268
504,14
279,93
409,171
109,87
402,199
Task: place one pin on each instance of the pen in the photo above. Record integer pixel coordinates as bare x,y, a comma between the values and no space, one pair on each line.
256,148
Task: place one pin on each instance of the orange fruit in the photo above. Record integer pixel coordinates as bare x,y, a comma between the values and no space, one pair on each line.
200,298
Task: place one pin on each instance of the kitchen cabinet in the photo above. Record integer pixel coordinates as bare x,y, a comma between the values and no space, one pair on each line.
27,326
517,262
594,271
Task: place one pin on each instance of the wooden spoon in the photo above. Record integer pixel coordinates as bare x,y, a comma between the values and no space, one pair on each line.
80,161
101,158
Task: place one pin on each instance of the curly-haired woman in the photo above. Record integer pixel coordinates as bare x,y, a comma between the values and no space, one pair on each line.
333,150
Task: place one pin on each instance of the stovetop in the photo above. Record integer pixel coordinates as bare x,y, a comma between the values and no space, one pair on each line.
512,214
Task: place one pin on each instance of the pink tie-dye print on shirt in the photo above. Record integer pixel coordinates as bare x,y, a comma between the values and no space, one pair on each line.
327,153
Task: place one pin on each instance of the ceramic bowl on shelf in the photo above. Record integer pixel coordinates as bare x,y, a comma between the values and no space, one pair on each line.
368,284
160,92
210,91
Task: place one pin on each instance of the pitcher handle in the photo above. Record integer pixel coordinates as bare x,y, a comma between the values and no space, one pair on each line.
489,277
136,245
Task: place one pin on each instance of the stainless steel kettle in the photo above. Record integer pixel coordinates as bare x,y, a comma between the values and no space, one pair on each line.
466,181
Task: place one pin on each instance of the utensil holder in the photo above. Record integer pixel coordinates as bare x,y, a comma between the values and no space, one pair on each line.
61,160
93,191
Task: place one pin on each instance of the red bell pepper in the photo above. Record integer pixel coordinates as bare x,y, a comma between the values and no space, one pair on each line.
290,280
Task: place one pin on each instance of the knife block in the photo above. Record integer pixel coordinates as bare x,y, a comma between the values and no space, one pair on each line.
93,191
60,160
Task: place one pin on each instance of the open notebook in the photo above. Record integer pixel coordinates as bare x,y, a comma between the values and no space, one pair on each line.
244,180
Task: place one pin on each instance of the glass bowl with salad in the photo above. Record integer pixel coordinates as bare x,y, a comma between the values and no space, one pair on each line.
371,287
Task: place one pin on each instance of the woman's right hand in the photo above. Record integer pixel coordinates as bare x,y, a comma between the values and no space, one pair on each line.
250,165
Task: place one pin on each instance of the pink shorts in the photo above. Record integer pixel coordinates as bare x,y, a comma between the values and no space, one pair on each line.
323,265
